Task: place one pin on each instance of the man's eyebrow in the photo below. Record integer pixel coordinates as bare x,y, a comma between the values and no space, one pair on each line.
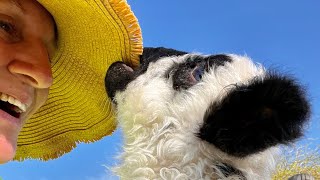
17,5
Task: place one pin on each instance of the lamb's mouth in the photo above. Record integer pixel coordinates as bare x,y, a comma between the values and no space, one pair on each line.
11,105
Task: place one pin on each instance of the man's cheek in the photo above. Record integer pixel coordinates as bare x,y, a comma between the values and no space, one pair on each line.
8,145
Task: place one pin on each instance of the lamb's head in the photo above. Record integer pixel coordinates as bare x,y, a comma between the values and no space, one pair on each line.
221,107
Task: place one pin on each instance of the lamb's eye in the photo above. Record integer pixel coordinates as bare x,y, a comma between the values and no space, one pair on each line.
198,72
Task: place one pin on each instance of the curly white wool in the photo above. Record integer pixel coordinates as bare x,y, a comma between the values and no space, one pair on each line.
159,125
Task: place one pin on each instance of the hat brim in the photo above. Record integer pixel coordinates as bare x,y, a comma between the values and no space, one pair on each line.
91,35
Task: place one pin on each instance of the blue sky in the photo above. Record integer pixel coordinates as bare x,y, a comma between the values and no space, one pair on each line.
280,34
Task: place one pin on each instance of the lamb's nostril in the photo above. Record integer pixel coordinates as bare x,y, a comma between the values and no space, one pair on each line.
128,68
117,78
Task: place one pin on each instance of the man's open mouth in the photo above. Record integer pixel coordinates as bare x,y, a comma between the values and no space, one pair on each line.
11,105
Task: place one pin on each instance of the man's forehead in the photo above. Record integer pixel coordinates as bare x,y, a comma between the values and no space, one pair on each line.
12,4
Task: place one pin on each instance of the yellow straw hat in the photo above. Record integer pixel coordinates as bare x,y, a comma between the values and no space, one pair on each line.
91,35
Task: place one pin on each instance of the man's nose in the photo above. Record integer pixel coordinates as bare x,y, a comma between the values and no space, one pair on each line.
31,64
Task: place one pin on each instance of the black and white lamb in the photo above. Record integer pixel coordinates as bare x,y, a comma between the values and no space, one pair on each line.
191,116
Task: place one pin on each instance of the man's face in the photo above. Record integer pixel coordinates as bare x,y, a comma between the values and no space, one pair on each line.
27,40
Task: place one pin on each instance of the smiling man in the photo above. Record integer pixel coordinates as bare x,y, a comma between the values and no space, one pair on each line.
27,39
53,59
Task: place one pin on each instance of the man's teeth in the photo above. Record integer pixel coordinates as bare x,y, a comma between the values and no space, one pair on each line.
13,101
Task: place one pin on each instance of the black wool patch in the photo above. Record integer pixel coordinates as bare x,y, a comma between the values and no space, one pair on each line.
253,117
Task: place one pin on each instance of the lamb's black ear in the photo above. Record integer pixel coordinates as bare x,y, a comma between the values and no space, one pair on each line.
258,115
117,78
151,54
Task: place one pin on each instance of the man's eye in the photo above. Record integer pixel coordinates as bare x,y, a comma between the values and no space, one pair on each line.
8,31
9,28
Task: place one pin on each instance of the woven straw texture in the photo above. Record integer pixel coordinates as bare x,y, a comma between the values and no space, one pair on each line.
91,35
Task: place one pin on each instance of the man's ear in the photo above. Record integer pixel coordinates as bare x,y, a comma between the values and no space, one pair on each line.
153,54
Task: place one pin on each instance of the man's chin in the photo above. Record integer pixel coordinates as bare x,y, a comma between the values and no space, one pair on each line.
7,149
